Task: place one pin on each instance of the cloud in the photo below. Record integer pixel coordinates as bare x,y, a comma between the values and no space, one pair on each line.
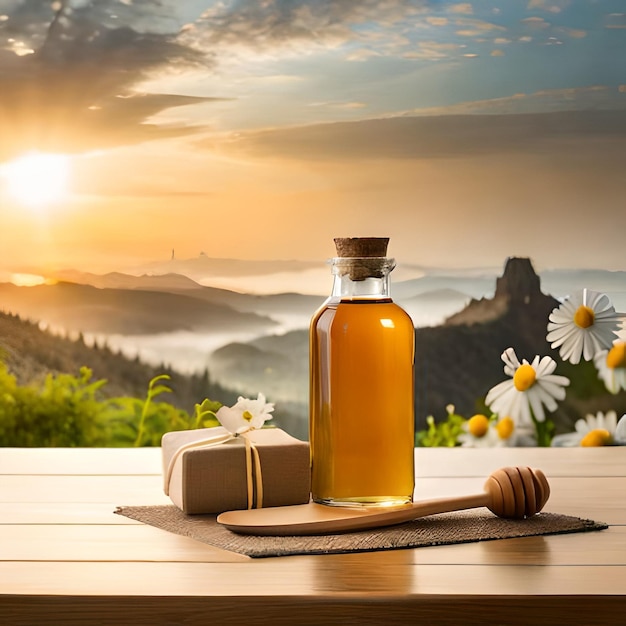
433,50
433,137
463,7
536,23
551,6
74,85
362,54
295,25
436,21
596,97
573,33
476,28
616,20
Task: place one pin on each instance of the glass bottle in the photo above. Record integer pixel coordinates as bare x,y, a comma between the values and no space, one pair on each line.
361,405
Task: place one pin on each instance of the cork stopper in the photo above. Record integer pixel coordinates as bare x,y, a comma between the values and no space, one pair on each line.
362,257
362,246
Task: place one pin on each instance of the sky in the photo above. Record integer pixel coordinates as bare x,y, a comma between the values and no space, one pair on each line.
467,132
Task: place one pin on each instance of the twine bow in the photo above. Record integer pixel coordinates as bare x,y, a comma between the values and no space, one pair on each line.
253,464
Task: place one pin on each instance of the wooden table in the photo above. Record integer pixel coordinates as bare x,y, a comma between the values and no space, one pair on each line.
65,558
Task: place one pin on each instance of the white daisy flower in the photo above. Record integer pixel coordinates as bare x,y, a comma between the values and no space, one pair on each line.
595,430
482,432
611,366
512,436
245,415
533,386
583,325
479,432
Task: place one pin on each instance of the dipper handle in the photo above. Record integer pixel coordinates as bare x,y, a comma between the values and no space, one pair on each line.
511,492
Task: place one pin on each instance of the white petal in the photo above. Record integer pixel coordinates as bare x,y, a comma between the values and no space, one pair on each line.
523,409
554,390
534,400
498,391
592,421
608,316
510,358
589,346
545,367
503,405
582,427
562,334
610,421
620,431
571,351
547,400
569,440
598,301
556,379
231,419
559,316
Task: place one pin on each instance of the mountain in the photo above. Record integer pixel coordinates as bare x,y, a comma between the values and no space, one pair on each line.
74,307
203,267
429,308
562,283
472,286
276,306
288,292
118,280
31,353
278,365
456,362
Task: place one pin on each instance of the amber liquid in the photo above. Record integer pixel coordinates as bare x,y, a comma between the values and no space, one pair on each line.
361,403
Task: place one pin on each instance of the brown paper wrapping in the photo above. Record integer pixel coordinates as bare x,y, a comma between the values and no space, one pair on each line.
214,479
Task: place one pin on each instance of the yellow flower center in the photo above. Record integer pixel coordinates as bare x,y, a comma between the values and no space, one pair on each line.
505,427
584,316
617,356
524,377
478,425
247,415
595,438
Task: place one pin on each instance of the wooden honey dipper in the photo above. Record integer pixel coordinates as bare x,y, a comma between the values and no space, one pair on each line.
510,492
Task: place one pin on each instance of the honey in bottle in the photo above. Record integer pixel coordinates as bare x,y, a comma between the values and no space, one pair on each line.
361,384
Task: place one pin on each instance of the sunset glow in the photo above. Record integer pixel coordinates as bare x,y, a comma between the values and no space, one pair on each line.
27,280
37,180
262,130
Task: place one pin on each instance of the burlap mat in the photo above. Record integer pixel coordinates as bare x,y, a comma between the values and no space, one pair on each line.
434,530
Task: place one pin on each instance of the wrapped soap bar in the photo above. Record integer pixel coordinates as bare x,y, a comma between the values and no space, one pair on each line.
207,470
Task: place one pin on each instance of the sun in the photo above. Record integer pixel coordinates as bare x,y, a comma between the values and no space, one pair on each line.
38,180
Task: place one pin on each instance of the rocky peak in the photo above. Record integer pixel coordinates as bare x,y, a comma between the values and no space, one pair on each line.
519,282
517,292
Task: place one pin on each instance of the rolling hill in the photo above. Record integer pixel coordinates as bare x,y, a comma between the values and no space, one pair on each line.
75,307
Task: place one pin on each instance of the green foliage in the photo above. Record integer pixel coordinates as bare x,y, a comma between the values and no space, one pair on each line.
544,431
70,411
584,379
153,391
31,353
205,414
442,434
63,411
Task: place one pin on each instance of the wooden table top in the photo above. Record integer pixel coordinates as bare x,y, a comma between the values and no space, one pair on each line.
66,558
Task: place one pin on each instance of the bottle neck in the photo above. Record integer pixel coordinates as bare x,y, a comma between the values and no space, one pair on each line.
361,277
